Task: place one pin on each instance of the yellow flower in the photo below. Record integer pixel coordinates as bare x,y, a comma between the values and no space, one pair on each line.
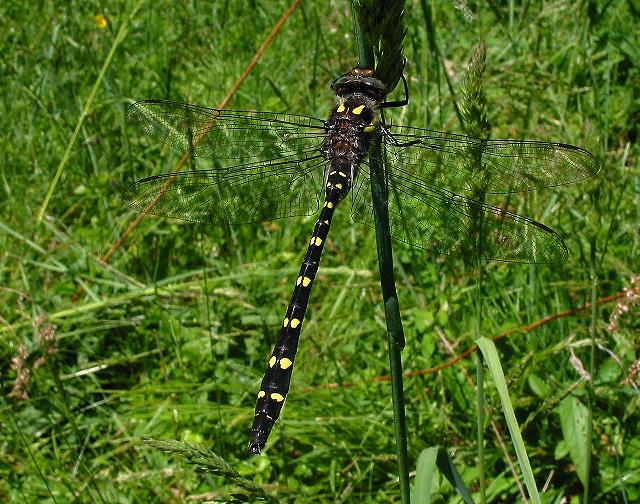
101,21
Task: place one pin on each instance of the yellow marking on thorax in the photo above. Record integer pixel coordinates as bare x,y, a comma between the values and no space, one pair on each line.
339,186
358,110
286,322
340,108
317,240
329,205
272,360
285,363
326,222
306,281
298,280
261,394
371,127
295,323
277,397
342,174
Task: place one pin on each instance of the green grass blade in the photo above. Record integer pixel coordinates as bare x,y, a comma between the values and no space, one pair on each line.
448,469
377,30
492,359
122,32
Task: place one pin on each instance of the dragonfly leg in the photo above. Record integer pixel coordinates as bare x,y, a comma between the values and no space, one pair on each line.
399,103
388,136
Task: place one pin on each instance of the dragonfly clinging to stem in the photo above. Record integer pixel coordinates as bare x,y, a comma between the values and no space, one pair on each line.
278,164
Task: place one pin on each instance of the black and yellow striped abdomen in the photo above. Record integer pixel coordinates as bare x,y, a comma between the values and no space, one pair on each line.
347,141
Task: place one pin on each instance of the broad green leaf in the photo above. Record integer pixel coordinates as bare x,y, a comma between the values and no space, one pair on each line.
539,386
574,417
425,471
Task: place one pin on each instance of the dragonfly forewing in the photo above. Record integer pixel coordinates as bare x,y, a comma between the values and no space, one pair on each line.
242,136
467,164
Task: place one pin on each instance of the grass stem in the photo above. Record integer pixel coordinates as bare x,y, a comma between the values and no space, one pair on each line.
379,33
395,335
122,32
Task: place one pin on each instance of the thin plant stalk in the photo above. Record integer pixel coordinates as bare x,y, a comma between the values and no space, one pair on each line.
86,109
368,19
587,496
480,417
395,334
474,121
480,399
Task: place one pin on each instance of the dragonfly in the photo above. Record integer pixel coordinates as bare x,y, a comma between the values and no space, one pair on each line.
270,165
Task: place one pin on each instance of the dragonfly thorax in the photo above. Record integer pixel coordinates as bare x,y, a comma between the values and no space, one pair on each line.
349,130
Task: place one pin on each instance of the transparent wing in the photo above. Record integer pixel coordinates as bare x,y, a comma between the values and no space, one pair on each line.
274,159
239,194
463,163
435,219
226,134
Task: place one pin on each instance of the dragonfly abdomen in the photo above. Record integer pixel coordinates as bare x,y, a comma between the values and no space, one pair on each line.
275,384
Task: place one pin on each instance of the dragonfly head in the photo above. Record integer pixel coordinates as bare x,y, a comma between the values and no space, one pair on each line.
360,80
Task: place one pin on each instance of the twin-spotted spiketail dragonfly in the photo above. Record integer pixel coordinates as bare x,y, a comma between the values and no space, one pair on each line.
273,165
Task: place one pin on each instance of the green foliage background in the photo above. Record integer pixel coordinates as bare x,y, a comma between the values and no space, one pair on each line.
169,340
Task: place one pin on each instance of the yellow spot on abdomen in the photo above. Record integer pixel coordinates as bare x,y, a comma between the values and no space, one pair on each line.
358,109
286,322
369,129
342,174
326,221
272,360
261,394
285,363
329,205
295,323
318,241
277,397
340,108
339,186
306,281
298,280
